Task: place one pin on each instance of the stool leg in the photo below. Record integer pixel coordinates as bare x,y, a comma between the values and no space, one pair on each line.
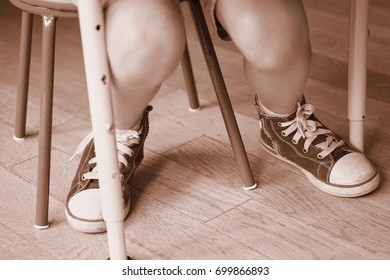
357,71
47,81
23,76
98,83
222,94
189,80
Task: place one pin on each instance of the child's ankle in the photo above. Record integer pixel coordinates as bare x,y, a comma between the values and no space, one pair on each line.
270,113
135,126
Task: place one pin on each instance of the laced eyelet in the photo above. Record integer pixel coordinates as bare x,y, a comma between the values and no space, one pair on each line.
295,141
305,150
280,124
284,133
319,156
83,177
122,178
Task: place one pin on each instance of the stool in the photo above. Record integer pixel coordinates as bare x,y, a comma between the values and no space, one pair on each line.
50,10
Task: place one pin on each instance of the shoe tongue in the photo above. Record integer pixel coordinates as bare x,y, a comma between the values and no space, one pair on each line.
128,137
129,142
338,152
320,139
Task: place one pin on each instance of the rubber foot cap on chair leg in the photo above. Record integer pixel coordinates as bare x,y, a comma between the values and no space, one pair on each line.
250,187
128,258
41,227
19,139
195,109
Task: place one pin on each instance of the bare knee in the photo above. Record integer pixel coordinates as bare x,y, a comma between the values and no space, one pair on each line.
145,41
270,34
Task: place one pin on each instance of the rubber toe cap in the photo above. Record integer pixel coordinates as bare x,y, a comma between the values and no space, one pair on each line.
86,205
352,169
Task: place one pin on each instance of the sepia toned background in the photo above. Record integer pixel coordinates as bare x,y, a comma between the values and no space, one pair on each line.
187,199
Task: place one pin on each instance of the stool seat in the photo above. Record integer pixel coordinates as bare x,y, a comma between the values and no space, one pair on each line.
62,5
53,8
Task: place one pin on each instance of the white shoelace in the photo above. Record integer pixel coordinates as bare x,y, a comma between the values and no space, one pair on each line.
124,139
309,130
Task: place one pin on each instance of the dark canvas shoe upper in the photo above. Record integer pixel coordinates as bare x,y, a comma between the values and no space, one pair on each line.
329,162
83,209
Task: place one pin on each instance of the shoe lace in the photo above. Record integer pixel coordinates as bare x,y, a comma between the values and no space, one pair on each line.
310,130
124,140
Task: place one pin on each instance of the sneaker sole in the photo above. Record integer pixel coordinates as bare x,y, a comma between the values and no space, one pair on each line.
336,190
89,226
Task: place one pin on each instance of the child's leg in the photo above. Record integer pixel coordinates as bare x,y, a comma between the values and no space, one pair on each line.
274,39
145,42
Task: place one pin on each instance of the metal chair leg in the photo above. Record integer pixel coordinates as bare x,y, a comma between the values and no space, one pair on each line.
357,71
189,80
45,131
98,83
222,94
23,76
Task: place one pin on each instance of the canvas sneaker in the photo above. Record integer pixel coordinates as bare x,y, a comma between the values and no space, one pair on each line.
329,163
83,206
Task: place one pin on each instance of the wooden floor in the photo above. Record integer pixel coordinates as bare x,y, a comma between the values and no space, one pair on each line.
187,200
